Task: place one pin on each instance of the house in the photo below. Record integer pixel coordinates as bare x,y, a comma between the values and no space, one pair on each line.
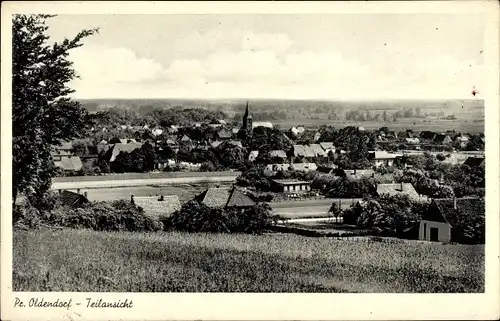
289,185
189,166
224,134
475,162
157,206
72,199
253,155
428,135
236,143
303,151
357,173
111,153
103,147
397,189
297,130
382,158
303,167
462,141
65,149
272,169
69,164
327,147
262,124
412,140
215,143
442,139
157,131
127,141
164,163
222,197
439,222
278,153
185,139
318,150
327,169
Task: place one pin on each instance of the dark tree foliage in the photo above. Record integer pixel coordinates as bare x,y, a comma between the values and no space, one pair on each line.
42,112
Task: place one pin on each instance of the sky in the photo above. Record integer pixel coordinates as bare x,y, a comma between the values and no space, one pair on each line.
343,56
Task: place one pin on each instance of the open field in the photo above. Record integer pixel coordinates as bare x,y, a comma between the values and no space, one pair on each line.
185,192
468,126
148,179
82,260
309,208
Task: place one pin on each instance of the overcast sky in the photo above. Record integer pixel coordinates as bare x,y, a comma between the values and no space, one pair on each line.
276,56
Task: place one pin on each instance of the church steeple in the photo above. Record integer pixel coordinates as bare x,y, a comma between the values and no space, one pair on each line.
247,120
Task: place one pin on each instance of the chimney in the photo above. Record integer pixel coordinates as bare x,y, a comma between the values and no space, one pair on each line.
85,194
60,191
78,191
454,203
132,199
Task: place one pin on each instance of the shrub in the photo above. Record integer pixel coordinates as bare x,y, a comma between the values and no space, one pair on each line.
197,217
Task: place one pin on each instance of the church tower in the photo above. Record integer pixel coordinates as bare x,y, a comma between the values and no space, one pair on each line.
247,121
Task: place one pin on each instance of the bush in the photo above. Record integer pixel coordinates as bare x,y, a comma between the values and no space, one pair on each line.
102,216
197,217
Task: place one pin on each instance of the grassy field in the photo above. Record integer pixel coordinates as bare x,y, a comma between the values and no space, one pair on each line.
81,260
185,192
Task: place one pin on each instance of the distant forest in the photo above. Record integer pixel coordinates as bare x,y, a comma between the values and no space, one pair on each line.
269,110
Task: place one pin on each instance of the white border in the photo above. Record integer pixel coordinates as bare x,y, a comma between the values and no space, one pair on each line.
269,306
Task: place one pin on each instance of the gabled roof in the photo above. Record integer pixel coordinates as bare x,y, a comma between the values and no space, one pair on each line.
303,151
318,150
327,146
119,147
474,161
72,199
277,153
154,206
215,143
185,138
465,208
72,163
397,188
219,197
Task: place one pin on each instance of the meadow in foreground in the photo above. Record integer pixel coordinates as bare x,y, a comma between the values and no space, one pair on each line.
84,260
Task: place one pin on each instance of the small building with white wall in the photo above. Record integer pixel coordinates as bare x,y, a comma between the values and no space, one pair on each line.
289,186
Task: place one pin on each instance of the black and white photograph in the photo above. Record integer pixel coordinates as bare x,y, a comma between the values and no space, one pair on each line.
249,152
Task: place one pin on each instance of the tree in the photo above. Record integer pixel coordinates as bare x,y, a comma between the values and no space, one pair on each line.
335,210
42,112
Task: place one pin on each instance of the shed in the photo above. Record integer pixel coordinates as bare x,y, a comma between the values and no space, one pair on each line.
440,221
221,197
72,199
